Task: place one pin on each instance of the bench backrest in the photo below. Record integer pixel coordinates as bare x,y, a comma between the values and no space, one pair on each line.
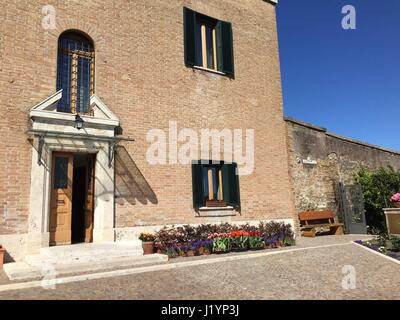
316,215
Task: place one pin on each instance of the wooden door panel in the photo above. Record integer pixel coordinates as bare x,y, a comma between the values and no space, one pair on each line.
61,199
89,205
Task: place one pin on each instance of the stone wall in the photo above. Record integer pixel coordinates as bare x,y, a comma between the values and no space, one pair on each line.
318,160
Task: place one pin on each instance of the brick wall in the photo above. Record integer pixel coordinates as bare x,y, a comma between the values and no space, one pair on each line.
141,76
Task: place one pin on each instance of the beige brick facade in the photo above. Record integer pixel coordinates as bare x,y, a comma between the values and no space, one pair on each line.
141,76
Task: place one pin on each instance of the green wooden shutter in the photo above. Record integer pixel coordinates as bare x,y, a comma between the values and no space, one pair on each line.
189,25
197,185
220,64
230,182
225,48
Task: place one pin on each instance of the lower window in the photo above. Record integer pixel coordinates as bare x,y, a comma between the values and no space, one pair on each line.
215,185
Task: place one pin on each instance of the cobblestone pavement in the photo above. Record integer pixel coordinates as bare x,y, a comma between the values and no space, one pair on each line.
306,274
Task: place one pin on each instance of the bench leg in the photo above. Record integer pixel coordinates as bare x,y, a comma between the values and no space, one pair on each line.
309,233
338,231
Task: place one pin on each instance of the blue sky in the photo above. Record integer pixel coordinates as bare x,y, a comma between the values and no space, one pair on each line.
345,80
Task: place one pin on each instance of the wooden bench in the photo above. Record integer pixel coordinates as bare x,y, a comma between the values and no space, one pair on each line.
309,220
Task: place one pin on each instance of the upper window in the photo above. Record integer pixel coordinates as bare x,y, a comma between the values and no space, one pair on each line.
212,184
215,185
75,72
208,43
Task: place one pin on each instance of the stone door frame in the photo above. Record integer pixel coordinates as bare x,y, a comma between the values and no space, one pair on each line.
54,131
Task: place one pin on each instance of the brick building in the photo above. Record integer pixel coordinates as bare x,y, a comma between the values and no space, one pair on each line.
120,69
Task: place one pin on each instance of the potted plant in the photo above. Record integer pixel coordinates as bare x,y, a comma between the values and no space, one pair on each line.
147,243
181,250
271,241
2,252
190,252
240,240
208,244
395,199
172,252
256,243
200,247
222,243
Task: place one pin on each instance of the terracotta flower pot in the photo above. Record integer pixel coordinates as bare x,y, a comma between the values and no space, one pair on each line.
396,204
2,252
148,247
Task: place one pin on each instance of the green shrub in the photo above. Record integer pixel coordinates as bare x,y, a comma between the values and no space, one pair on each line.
222,244
269,229
378,186
256,242
395,241
381,239
241,242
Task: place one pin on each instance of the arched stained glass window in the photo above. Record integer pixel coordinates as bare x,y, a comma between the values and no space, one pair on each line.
75,72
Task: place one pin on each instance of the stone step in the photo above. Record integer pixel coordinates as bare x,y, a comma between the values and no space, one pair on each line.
35,260
86,252
80,258
21,270
128,248
25,271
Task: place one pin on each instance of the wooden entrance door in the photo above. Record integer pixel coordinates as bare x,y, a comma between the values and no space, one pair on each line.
61,199
89,203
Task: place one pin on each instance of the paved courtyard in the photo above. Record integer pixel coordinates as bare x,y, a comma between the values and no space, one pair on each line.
313,272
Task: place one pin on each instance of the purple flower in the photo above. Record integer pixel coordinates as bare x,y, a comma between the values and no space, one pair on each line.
271,239
196,244
374,247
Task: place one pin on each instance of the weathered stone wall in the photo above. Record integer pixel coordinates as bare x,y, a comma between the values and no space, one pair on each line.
337,159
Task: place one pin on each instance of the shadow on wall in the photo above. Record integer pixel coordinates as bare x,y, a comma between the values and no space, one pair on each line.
8,258
130,184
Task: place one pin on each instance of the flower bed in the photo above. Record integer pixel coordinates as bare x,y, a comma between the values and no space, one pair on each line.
207,239
384,244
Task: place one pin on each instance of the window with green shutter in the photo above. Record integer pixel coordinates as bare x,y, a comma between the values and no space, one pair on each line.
208,43
215,185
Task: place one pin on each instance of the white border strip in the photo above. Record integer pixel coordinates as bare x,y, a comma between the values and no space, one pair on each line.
376,252
124,272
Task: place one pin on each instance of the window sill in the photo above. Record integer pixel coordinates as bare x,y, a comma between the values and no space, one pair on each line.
210,70
216,208
211,212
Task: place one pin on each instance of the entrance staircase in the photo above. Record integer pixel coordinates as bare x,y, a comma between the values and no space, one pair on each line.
80,259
